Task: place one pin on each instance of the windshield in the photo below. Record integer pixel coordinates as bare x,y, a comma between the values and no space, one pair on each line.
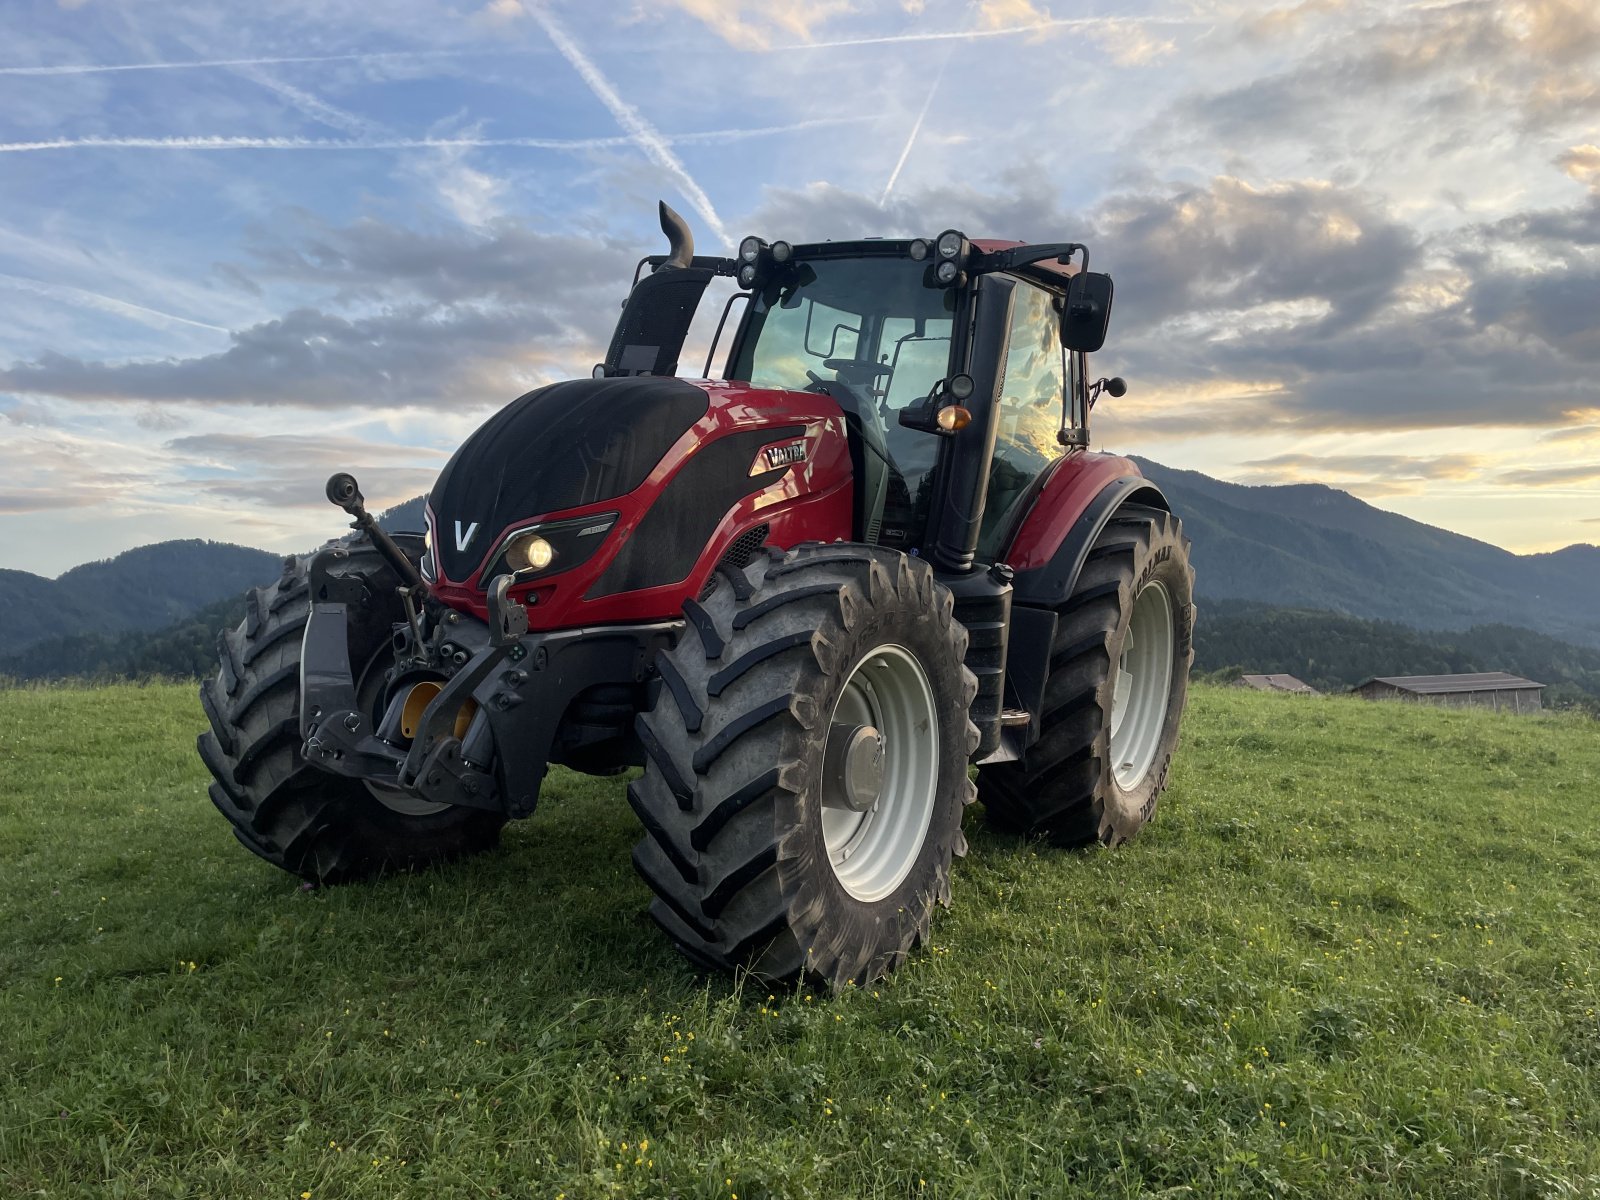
868,332
869,323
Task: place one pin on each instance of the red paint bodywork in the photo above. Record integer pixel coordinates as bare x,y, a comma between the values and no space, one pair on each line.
811,501
1074,481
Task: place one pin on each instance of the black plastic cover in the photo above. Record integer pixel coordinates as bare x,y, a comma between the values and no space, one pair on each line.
571,443
655,320
673,534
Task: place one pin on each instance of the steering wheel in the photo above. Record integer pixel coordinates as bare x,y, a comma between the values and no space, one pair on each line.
855,366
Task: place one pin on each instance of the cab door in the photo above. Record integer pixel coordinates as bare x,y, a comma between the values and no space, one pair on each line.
1027,416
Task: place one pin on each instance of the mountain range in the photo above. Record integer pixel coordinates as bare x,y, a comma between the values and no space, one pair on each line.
1299,546
1311,546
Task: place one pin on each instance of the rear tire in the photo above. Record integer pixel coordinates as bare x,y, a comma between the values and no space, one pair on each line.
755,854
313,824
1100,764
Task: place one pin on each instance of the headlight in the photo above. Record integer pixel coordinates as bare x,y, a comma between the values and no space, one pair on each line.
549,547
951,244
530,552
750,249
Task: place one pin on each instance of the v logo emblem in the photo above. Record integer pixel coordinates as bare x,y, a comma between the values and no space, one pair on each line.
463,540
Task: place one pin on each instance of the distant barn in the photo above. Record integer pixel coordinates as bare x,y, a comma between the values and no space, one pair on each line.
1276,683
1485,689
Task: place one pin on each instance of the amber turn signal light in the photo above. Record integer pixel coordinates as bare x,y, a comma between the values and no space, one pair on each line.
953,417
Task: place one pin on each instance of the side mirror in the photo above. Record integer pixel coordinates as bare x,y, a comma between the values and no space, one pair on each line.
1087,312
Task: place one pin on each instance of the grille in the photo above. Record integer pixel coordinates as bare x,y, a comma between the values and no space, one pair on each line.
745,548
741,554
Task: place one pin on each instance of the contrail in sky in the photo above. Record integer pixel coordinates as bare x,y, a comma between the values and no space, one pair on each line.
190,64
110,304
402,55
911,140
316,108
702,137
644,134
916,126
956,35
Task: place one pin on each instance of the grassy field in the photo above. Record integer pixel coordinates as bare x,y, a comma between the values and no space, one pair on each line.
1356,955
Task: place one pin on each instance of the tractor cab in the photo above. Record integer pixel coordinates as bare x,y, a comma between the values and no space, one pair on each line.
959,365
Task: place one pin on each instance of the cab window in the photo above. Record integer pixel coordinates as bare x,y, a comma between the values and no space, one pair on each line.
1029,413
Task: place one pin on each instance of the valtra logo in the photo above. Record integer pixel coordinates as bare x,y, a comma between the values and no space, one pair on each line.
772,458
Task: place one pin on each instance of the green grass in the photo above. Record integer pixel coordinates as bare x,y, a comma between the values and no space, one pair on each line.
1354,956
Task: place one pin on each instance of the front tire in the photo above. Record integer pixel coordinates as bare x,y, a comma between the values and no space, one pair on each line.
1114,698
781,833
322,827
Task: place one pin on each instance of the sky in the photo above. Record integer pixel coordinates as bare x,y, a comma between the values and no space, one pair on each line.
1355,242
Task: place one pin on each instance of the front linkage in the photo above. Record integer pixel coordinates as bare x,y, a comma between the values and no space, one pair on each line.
470,711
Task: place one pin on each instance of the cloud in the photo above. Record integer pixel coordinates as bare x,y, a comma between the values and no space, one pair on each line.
1582,163
290,470
1378,468
1003,14
1552,476
31,500
752,24
1337,313
1130,43
1579,433
1296,305
49,468
444,317
1440,69
413,356
507,262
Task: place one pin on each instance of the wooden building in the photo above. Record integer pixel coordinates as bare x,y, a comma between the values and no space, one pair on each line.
1486,689
1276,683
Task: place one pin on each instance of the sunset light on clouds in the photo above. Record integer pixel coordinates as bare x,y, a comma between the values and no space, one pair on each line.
1354,242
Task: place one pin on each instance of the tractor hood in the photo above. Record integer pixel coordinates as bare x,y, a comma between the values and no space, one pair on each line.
559,447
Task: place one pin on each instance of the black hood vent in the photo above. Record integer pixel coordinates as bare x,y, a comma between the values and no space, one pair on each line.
571,443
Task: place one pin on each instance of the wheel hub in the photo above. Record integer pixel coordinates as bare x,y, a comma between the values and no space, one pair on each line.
852,767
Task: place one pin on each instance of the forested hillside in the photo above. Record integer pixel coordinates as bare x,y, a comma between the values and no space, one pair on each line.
1333,651
148,588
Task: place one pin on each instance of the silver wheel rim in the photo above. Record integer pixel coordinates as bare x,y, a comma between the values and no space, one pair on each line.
872,846
1142,687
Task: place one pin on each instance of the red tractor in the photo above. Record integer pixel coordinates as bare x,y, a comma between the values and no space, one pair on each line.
806,598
